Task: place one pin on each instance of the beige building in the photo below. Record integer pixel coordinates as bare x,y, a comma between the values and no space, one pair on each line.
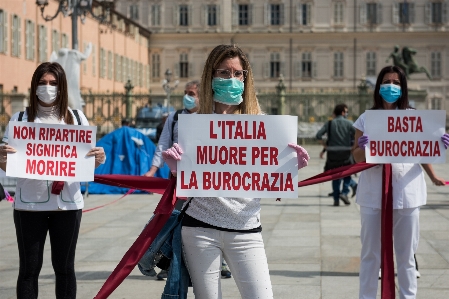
119,53
318,45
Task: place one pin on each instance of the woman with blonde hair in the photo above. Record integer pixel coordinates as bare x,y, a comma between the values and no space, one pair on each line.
221,226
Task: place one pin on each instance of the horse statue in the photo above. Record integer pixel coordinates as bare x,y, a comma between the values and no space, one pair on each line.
397,60
70,60
406,61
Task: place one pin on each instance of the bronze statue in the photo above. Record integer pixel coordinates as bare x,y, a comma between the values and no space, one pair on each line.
406,61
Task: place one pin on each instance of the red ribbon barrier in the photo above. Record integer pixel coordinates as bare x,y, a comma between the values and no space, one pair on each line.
110,203
149,184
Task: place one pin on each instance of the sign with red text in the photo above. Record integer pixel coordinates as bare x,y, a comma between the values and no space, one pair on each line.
405,136
51,152
237,156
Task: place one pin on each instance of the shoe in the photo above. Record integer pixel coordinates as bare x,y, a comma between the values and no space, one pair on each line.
345,199
418,275
225,273
380,273
162,275
331,194
336,203
354,190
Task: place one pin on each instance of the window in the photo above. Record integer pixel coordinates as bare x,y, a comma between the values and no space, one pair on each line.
102,63
371,13
306,65
437,13
85,61
304,14
110,64
134,12
3,31
275,65
183,66
243,14
435,69
404,13
276,14
140,74
118,68
64,41
212,15
29,40
371,64
15,36
338,13
42,43
155,15
54,41
183,15
124,69
338,65
435,104
94,61
155,66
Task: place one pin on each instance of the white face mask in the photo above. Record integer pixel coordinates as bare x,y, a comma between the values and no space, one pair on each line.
47,93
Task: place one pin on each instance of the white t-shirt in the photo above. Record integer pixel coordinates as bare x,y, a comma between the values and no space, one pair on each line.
409,186
35,195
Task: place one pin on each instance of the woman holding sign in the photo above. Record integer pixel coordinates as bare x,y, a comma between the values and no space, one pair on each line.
42,206
409,194
219,226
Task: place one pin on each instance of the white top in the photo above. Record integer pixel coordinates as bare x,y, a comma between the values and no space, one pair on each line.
35,195
409,187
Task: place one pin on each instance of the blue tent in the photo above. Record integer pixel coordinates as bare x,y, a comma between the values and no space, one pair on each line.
129,152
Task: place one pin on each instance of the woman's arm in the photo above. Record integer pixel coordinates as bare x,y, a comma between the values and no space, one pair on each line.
436,180
357,152
4,150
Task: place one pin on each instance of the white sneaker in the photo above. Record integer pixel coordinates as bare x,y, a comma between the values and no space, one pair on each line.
418,275
380,273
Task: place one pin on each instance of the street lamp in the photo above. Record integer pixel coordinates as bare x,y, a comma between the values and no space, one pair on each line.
166,85
76,8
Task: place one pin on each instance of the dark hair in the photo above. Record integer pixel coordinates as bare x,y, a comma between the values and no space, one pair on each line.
402,102
62,98
339,109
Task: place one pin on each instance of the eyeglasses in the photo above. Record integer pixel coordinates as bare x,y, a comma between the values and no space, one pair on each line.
226,74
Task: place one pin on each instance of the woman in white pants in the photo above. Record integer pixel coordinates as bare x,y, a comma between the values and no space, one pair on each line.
409,194
221,226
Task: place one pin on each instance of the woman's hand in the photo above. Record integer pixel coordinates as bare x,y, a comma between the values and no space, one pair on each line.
4,150
172,156
303,156
363,141
100,156
445,139
438,181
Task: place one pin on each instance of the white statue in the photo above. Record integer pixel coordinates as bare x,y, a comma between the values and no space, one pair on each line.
70,60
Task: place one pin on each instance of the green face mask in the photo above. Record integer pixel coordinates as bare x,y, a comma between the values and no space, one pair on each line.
228,91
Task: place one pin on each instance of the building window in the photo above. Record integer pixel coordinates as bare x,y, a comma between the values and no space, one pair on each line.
94,61
110,65
435,104
435,69
155,66
15,40
3,31
64,41
276,14
404,13
124,69
134,12
338,13
54,41
275,65
183,66
212,15
371,13
183,15
437,13
304,14
102,63
155,15
244,14
42,43
118,68
140,74
306,65
85,61
29,40
371,64
338,65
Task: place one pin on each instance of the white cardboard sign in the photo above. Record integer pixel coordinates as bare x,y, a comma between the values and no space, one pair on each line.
237,156
51,151
405,136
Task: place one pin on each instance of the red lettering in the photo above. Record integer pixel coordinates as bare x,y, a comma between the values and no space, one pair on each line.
390,120
372,147
233,155
411,148
264,156
42,134
419,125
388,148
206,180
223,155
242,155
201,154
236,181
403,151
426,145
436,149
212,135
74,154
50,165
63,168
412,120
261,132
246,176
265,182
65,135
82,136
88,136
288,182
275,177
72,168
40,167
274,155
255,181
227,181
405,127
255,155
31,166
29,150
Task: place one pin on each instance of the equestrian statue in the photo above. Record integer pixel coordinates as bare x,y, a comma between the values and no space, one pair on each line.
406,61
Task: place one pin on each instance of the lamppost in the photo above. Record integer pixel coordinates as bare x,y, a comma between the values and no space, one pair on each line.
167,88
128,88
280,89
76,8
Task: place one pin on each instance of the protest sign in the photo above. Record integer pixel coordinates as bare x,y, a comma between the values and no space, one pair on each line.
51,151
405,136
237,156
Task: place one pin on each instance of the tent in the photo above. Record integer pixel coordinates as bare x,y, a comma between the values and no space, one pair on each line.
128,151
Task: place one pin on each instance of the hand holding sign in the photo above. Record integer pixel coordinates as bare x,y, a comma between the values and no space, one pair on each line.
171,156
4,150
445,139
303,156
98,152
363,141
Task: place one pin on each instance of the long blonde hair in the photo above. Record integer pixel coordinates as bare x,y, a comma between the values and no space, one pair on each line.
250,105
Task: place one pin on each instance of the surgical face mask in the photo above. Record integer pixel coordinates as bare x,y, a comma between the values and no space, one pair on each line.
345,115
47,93
228,91
189,102
390,92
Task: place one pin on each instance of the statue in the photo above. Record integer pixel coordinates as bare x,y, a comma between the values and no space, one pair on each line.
406,61
70,60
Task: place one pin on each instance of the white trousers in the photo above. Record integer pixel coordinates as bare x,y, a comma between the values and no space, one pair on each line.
203,250
405,241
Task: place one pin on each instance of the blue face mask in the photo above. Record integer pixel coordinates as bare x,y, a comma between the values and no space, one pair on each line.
390,92
189,102
228,91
